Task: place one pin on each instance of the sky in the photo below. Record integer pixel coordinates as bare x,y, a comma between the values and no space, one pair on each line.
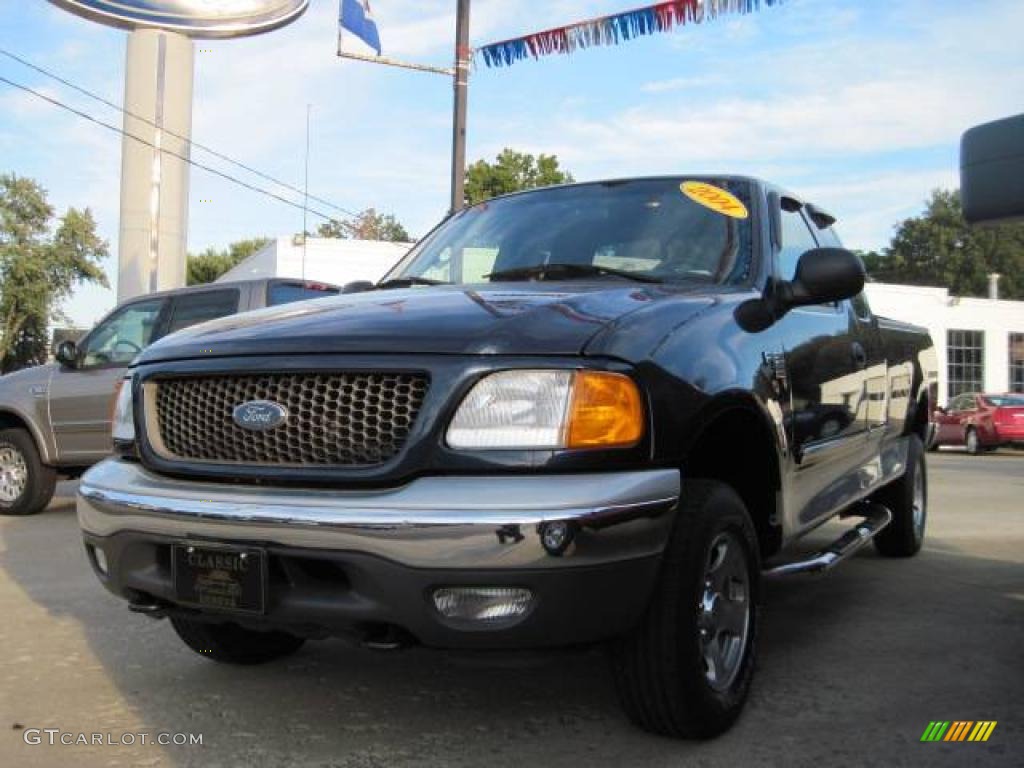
857,106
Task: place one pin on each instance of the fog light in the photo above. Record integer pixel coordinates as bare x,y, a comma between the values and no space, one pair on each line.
482,603
556,536
100,557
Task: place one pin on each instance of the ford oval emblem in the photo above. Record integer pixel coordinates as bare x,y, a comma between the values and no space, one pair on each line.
259,415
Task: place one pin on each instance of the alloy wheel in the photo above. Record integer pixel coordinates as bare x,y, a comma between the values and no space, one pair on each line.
723,620
13,474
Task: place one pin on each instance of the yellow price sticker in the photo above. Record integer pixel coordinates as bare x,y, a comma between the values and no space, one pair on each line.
715,198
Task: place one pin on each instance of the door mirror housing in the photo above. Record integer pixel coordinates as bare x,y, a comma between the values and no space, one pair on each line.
824,275
67,353
992,171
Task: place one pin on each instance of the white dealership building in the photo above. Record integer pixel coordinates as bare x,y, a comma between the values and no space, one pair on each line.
980,342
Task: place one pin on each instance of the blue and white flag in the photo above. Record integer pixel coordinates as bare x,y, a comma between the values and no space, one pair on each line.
357,18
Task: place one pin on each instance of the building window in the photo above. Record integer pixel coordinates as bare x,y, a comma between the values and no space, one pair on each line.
965,362
1017,362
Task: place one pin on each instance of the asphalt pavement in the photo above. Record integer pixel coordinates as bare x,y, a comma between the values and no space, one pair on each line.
853,667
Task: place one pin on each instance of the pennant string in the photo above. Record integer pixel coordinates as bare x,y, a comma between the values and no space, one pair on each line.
614,29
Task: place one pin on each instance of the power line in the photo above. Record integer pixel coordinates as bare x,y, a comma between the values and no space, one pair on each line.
183,158
219,155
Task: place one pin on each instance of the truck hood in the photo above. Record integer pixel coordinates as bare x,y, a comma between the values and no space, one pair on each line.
556,318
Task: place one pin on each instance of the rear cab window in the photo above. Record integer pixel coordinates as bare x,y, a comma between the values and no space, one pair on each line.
193,308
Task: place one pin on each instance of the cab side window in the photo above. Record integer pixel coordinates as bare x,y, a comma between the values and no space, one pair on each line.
121,336
796,240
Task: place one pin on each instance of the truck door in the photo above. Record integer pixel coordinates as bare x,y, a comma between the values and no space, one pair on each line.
869,353
825,363
81,397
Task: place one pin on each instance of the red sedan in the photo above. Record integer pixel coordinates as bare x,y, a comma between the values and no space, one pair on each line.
981,422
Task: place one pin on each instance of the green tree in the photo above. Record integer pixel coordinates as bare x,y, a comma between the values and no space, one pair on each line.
41,261
511,172
368,225
938,248
207,266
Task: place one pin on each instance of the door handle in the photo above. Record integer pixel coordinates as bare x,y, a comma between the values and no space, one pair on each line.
860,357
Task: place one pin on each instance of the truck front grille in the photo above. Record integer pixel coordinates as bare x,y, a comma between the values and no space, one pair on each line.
333,419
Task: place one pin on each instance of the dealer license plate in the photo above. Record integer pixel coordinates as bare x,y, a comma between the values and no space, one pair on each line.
220,578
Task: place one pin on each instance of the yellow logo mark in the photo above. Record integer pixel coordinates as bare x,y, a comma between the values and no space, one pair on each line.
715,198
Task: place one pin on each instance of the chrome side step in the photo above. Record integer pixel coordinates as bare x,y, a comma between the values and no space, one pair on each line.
876,518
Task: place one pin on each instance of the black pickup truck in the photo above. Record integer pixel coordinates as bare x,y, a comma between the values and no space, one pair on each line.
598,412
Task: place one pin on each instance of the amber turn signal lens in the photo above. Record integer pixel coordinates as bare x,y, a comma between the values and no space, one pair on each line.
606,411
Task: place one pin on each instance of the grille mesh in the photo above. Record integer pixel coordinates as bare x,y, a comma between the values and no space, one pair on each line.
336,419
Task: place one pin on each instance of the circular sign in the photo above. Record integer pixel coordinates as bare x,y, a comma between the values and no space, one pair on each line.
195,18
715,198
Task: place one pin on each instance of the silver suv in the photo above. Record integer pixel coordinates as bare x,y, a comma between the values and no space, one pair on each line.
55,418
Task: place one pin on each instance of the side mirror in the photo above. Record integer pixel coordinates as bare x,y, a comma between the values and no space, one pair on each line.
67,353
824,275
358,286
941,410
992,171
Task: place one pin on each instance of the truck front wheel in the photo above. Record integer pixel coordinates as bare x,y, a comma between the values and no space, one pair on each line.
26,484
685,671
233,644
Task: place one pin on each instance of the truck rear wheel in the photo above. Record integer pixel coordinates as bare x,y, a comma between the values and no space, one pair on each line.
685,671
233,644
26,484
907,499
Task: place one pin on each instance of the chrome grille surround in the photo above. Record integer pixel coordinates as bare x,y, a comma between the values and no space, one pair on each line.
335,419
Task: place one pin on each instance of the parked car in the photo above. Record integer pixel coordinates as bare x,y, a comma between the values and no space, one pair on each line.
981,422
55,419
585,413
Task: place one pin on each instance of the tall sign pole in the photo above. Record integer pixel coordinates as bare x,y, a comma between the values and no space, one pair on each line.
157,140
463,55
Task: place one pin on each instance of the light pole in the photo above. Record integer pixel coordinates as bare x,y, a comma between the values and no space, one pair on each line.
463,54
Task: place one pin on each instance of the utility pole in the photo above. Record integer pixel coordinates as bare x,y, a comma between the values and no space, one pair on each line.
461,80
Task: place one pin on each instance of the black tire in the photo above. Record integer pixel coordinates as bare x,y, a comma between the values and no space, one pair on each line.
659,668
971,442
904,536
40,480
232,644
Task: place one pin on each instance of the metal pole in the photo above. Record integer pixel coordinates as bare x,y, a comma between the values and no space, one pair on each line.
461,80
305,195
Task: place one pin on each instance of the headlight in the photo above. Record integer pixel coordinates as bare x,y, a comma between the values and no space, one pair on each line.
548,409
123,419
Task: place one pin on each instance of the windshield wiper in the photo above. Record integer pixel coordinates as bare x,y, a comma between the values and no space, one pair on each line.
405,282
564,271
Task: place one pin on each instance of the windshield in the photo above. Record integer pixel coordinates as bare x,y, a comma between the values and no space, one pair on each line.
1004,401
647,227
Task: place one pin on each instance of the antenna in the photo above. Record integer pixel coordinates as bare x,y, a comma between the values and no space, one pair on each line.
305,195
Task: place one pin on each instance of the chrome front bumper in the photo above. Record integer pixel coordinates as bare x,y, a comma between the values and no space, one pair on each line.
439,523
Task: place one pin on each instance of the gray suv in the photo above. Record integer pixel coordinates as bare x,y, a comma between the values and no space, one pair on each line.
55,418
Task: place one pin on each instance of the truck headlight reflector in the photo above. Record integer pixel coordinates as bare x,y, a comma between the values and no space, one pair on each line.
549,409
123,419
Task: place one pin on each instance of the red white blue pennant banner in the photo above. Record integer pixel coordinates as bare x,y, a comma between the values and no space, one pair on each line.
614,29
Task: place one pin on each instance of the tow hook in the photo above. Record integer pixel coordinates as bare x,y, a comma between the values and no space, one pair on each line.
385,637
147,605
